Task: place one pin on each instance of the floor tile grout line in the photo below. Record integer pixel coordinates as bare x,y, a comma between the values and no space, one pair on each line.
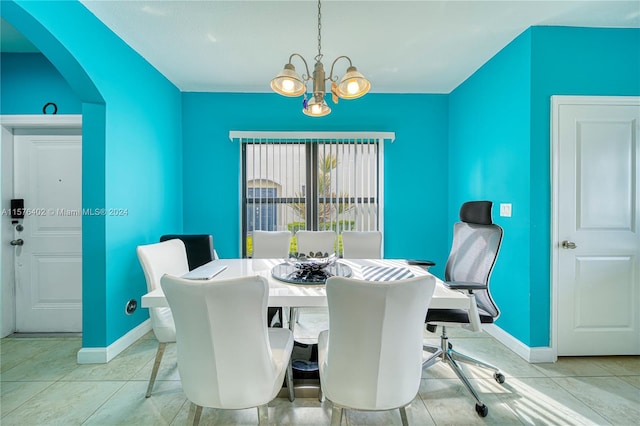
580,399
186,401
103,403
426,407
29,399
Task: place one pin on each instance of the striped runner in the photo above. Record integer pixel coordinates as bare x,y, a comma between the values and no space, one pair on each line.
385,273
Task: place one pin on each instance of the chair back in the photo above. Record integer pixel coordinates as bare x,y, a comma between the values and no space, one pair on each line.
199,247
168,257
374,357
224,357
362,245
271,244
475,247
315,241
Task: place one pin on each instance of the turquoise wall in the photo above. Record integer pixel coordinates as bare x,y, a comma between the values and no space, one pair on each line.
499,145
567,61
29,81
167,157
489,160
415,165
132,154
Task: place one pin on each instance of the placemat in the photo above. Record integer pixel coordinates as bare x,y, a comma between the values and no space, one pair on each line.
385,273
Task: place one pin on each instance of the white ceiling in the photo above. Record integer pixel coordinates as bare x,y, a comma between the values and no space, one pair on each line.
401,46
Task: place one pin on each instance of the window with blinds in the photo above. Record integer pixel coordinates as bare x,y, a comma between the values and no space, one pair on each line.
315,184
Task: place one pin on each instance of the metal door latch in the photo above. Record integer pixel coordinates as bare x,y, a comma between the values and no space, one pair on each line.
568,244
18,242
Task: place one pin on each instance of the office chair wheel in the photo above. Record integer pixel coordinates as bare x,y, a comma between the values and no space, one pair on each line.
482,410
499,377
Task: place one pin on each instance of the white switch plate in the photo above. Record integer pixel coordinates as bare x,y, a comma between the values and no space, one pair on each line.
505,210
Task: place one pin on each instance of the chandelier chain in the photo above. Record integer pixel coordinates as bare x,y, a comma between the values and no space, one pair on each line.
289,83
319,57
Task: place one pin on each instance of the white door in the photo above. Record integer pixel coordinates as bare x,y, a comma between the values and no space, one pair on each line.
598,242
47,175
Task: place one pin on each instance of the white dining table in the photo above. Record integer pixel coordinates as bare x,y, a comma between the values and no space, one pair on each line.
306,295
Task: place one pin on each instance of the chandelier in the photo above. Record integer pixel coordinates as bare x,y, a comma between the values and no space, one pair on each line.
289,83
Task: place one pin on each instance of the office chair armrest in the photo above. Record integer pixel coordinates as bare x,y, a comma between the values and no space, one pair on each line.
461,285
426,263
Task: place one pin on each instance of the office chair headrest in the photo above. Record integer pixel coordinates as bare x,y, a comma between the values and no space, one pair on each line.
478,212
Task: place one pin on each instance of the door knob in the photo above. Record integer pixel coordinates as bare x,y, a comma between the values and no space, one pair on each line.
568,244
18,242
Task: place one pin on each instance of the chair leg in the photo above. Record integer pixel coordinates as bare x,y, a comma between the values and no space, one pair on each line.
469,360
286,316
451,357
289,377
403,415
263,414
195,411
458,370
434,352
336,415
292,318
156,366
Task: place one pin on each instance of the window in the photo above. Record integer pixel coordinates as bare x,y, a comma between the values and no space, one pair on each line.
310,183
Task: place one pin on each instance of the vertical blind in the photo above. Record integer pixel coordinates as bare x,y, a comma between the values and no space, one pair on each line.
311,183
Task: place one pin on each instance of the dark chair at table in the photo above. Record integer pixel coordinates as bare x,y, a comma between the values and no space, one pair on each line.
199,248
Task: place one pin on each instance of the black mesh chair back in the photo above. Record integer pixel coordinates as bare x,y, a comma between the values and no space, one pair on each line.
199,247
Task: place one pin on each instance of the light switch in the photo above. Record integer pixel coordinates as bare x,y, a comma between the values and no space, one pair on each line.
505,210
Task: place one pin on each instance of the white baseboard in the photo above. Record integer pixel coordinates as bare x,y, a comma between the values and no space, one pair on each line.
531,355
104,355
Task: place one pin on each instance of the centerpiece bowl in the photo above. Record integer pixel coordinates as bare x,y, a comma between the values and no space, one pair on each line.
312,262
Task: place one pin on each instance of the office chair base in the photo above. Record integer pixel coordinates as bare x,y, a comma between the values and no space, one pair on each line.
435,354
447,354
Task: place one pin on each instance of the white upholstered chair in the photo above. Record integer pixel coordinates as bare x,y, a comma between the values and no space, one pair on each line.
168,257
371,356
271,244
315,241
227,357
362,245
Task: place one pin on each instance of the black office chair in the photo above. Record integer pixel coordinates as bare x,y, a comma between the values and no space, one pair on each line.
476,242
199,248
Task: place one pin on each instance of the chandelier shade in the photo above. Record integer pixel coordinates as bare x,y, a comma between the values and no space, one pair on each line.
353,84
316,107
289,83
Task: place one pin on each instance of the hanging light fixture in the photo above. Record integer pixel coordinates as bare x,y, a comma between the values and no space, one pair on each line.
289,83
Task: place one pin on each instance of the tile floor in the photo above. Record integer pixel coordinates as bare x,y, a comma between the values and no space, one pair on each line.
42,385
